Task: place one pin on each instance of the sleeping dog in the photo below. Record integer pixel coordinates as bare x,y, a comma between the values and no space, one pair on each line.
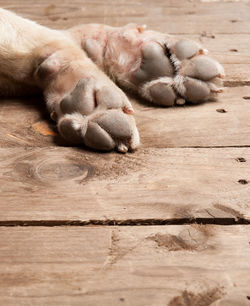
76,71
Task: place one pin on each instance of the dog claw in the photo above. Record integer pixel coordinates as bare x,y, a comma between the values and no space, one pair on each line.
217,90
122,148
128,111
180,101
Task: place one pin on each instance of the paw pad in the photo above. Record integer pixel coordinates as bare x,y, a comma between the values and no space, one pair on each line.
185,49
171,73
163,94
98,116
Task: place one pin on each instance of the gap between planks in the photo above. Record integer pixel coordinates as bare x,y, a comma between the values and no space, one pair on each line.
129,222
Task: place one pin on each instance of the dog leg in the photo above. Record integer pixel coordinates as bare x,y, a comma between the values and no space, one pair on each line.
89,108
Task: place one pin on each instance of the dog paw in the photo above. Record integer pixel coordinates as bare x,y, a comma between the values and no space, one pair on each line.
98,115
173,73
161,68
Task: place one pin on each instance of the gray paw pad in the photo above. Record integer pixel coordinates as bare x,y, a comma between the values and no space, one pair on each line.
178,71
79,100
162,94
202,67
72,128
196,90
154,64
96,117
185,48
108,98
97,138
116,123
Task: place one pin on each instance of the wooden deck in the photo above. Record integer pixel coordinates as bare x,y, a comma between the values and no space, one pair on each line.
166,225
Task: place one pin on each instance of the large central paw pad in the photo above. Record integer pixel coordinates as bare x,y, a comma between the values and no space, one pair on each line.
98,116
175,72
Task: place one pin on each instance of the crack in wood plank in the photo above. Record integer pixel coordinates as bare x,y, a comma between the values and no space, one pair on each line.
126,222
236,83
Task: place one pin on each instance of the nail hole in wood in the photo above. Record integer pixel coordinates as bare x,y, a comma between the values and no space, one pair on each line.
205,34
240,159
221,110
243,182
233,50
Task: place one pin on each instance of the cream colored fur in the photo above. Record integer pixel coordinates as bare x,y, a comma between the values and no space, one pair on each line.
24,45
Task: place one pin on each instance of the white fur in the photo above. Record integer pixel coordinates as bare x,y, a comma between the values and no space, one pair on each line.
78,121
179,84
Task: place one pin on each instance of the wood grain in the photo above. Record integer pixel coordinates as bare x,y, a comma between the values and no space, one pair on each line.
200,125
188,126
170,16
125,266
193,165
71,184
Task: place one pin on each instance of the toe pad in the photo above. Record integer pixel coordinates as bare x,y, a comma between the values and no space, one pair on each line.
162,94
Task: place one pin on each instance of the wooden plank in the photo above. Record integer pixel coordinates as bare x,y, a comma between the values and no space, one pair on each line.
228,49
174,265
231,50
188,126
171,16
201,125
69,184
22,122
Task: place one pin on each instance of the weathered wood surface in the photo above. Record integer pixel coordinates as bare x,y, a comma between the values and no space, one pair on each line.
210,23
172,16
26,123
44,182
176,265
71,184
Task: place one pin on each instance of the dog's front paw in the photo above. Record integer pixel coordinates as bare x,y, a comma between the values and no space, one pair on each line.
173,73
99,116
161,68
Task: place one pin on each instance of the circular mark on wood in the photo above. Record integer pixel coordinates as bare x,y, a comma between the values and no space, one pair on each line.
61,171
48,167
